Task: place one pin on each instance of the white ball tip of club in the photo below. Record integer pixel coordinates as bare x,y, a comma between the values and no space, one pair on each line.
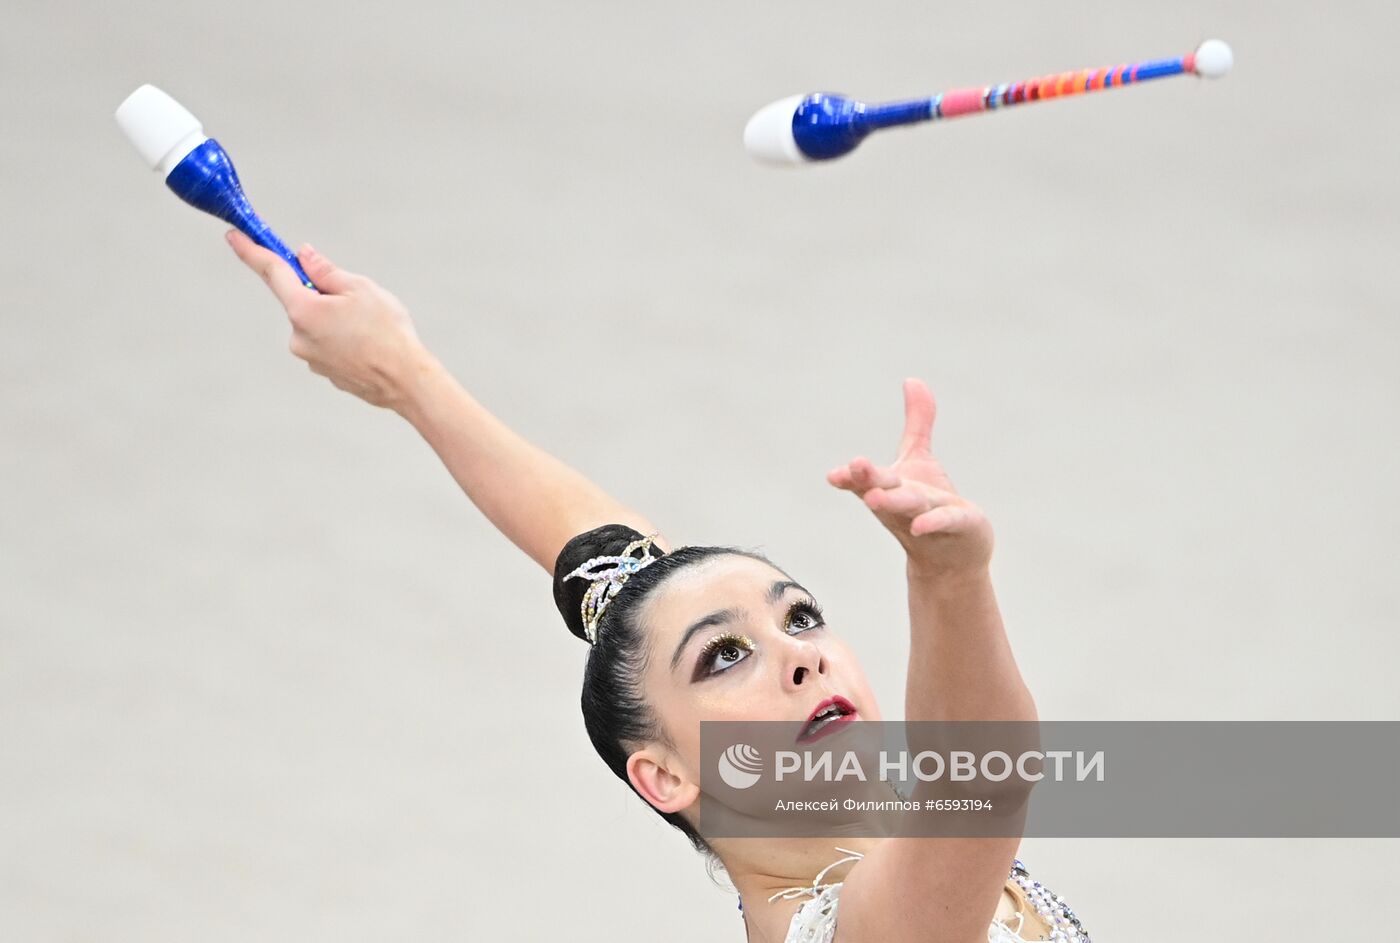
157,124
1214,58
768,135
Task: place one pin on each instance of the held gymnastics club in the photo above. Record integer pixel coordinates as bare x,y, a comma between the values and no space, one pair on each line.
195,166
803,129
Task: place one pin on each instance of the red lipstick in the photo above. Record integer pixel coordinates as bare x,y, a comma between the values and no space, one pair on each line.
830,715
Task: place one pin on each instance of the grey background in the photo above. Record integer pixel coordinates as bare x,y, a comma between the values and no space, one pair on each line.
265,674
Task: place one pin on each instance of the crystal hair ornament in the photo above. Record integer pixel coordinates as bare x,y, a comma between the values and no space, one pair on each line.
607,575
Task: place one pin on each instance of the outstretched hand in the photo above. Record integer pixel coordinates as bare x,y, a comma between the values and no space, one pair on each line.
355,333
941,531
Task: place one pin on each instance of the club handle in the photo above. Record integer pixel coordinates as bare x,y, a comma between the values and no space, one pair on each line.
968,101
255,229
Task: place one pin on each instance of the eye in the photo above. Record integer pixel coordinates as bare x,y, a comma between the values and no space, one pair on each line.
723,652
804,615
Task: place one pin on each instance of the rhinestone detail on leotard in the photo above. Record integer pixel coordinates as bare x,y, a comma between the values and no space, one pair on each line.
1064,924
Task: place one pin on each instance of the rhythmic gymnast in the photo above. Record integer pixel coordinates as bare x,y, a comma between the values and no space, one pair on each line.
658,666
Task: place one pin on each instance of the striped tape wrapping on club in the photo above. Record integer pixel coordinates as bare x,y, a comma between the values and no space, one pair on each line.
965,101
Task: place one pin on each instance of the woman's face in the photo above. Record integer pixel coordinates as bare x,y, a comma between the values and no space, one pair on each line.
734,639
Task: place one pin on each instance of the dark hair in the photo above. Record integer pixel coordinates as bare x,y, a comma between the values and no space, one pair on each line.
615,713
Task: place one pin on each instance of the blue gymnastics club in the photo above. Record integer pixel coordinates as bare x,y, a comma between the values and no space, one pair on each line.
805,129
195,166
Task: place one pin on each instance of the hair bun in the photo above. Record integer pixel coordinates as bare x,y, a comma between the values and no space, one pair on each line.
607,540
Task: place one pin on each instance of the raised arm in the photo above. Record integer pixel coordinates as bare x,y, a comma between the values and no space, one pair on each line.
960,661
360,337
960,669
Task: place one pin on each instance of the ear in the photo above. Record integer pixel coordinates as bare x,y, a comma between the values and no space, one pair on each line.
657,776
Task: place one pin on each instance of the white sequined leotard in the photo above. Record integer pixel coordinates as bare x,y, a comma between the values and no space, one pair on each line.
815,920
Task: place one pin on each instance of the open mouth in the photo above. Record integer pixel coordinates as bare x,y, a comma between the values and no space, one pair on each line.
830,715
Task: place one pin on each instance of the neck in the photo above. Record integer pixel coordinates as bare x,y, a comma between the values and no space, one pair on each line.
892,114
762,867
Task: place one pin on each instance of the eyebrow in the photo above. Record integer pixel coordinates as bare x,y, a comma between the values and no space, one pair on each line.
732,614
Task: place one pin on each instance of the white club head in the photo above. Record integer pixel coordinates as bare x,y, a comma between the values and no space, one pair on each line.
162,130
768,135
1214,58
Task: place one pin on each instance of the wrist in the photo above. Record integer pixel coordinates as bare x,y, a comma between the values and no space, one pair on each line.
415,383
945,581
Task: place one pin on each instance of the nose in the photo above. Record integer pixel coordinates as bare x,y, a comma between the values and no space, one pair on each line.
802,661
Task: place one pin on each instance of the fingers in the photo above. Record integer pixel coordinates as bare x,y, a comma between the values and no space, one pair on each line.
328,277
271,267
861,475
946,519
920,410
908,500
864,475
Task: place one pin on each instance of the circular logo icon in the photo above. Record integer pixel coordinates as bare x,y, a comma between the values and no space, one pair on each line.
740,766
